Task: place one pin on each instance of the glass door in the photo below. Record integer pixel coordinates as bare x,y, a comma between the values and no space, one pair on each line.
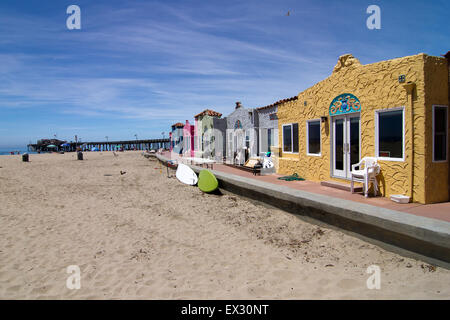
339,147
353,141
346,144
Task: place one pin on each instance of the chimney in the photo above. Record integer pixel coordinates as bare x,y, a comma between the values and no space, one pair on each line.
238,105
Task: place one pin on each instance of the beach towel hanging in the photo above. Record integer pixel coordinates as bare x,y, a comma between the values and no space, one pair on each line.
293,177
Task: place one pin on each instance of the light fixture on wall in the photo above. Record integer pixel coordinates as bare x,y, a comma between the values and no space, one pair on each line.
305,103
401,78
323,119
409,87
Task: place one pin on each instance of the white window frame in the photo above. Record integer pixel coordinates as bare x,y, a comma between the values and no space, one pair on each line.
377,151
307,138
292,138
446,134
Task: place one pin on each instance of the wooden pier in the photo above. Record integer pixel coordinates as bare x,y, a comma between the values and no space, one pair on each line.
150,144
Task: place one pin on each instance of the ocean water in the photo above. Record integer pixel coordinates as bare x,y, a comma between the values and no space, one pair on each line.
7,151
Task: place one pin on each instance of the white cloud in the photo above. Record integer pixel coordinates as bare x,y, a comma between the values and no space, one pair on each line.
158,61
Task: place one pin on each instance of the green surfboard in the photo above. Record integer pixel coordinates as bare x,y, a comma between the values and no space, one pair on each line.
207,182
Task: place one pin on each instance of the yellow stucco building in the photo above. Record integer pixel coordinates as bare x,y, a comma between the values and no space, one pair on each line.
373,110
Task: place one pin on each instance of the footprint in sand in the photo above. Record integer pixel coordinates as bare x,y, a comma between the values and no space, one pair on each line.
284,274
349,284
258,291
275,260
14,288
323,283
40,290
149,282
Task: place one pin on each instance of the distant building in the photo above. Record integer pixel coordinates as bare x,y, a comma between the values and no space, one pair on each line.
268,140
176,138
210,133
268,125
189,139
242,135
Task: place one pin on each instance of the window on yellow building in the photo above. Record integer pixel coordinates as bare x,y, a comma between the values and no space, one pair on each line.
389,134
440,129
313,137
290,138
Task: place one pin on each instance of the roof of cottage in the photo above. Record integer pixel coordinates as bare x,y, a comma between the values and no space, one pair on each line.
178,125
208,112
278,102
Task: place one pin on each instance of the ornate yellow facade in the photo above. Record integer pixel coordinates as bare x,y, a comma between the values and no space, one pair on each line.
377,86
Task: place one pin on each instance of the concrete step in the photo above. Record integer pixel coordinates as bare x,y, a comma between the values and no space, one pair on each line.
341,186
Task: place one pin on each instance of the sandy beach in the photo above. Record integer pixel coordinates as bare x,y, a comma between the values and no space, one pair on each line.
141,235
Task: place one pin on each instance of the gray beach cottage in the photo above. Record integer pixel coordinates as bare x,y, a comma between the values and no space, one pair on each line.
242,135
268,128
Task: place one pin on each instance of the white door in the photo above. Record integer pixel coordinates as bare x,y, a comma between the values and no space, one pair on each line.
346,144
239,144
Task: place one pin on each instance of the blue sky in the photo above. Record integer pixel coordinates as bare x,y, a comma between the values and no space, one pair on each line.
137,66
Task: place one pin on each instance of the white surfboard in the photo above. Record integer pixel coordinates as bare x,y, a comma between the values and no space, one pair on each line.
186,174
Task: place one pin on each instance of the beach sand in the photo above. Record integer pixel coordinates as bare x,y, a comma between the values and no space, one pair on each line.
142,235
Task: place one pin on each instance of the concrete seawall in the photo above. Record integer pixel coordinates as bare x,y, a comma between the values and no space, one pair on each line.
423,238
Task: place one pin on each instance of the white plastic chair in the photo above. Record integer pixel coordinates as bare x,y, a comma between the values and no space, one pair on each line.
366,175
